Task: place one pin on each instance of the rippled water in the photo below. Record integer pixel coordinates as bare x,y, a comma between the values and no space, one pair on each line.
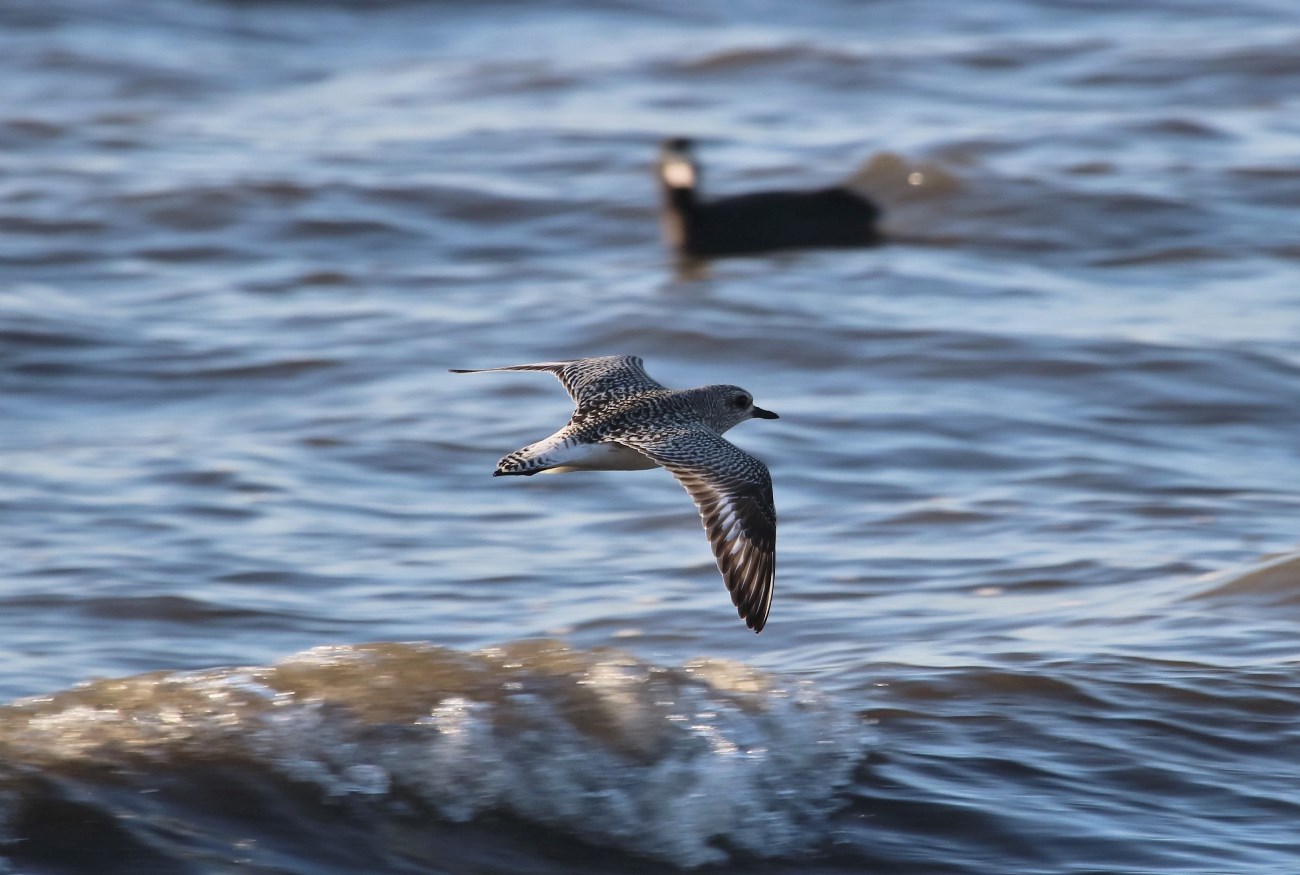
1037,468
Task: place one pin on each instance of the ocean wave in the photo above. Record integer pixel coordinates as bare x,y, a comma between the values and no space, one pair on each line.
688,764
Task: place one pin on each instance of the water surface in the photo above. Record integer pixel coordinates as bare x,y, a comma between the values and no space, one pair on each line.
1036,467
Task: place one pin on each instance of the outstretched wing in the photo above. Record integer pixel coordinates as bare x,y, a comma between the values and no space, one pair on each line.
733,491
591,381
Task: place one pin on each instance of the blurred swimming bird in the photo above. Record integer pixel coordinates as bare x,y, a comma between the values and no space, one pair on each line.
626,421
759,222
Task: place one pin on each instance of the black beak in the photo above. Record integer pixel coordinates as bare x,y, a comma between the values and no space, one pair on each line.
760,413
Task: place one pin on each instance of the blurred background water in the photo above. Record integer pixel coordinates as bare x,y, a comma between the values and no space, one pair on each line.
1037,468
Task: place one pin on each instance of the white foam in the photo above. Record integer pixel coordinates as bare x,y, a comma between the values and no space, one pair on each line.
661,761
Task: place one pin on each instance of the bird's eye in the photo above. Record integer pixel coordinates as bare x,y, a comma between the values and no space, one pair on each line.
740,402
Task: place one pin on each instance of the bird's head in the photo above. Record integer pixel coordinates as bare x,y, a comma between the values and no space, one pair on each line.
677,167
724,407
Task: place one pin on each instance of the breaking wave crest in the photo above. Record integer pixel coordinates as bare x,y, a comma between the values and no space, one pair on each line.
688,764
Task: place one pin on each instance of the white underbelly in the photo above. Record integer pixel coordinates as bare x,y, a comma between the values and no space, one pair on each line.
599,457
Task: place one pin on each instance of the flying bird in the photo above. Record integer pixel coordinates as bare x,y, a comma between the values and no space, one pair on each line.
626,421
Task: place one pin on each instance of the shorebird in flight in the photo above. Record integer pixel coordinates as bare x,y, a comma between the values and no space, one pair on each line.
626,421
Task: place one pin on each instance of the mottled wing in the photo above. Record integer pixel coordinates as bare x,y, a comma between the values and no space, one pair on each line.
592,380
733,491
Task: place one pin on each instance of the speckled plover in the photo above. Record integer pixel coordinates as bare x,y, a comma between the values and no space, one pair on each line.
626,421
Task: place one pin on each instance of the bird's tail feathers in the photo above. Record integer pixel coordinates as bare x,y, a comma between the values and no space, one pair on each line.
549,454
523,463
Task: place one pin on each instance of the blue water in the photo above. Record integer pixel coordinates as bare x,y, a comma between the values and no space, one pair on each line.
1036,468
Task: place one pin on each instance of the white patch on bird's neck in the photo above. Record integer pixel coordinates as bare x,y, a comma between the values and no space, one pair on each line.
678,173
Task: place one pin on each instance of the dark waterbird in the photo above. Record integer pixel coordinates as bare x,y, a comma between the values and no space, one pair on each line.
835,217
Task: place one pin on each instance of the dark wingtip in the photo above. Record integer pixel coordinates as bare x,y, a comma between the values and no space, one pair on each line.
753,621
